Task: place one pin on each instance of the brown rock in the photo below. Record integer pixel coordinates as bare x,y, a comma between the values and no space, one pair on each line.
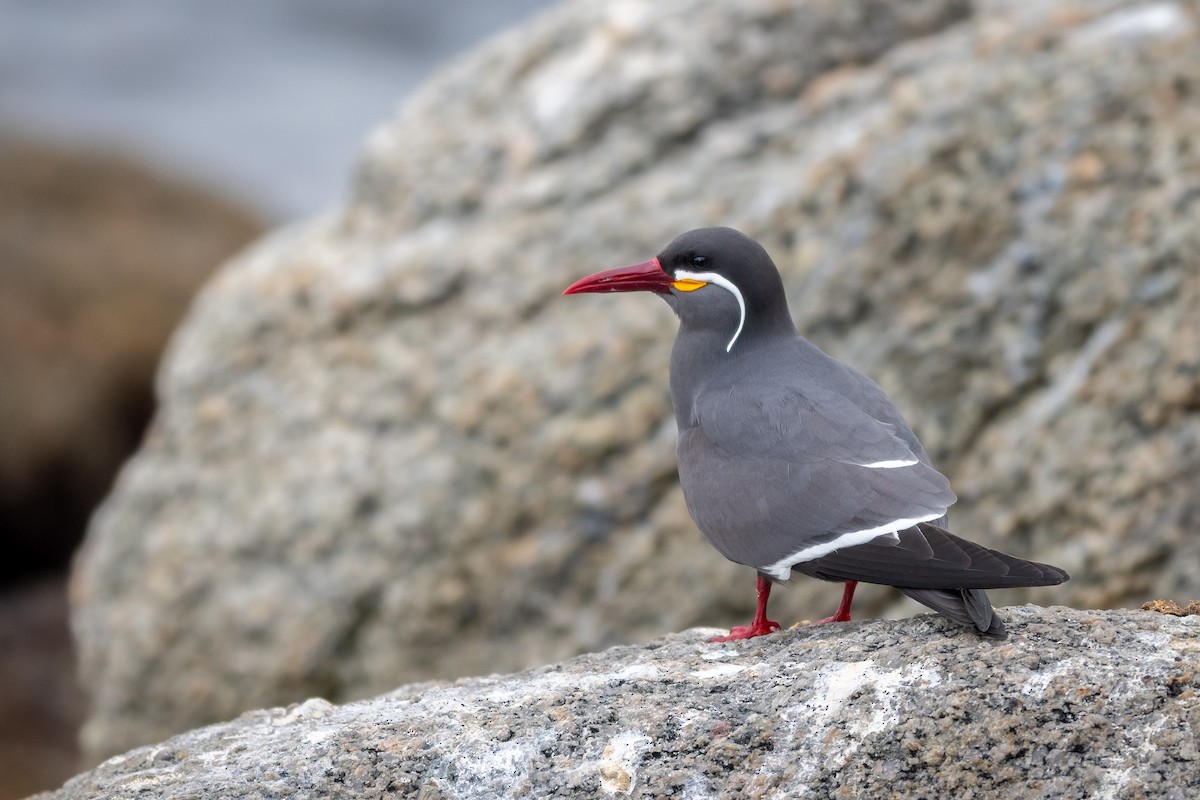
99,258
1161,606
41,705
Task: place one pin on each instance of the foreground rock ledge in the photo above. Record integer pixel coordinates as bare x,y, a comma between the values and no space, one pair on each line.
1074,703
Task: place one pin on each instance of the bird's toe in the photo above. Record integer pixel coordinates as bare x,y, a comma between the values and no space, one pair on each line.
739,632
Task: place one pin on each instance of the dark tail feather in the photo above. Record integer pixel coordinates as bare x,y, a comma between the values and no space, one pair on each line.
969,607
927,557
937,569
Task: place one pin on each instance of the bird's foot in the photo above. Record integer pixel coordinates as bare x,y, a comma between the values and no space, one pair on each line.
843,612
738,632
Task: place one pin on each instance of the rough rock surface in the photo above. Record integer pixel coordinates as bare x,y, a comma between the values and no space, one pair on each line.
1074,704
389,451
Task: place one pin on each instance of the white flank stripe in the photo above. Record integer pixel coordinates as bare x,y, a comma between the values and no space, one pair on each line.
727,285
782,569
889,464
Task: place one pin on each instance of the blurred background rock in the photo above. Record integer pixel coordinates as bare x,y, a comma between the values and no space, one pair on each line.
142,144
99,258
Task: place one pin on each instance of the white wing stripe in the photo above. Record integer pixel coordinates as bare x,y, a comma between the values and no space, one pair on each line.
889,464
727,285
782,568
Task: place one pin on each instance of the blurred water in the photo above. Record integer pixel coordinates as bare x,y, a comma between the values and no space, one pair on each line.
269,99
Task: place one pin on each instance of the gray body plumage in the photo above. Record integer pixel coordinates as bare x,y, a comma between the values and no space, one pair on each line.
787,431
790,459
793,461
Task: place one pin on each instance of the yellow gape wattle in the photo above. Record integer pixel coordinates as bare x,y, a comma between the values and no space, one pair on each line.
689,285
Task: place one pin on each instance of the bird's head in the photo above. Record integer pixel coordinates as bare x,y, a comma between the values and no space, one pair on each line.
714,278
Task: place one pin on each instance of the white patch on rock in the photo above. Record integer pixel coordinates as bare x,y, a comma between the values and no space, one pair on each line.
494,769
832,692
638,671
316,737
504,692
618,767
593,493
716,671
627,16
1035,685
836,686
115,760
504,764
720,653
1151,21
698,787
312,708
555,88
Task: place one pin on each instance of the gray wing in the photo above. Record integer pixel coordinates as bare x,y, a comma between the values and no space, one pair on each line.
770,473
874,401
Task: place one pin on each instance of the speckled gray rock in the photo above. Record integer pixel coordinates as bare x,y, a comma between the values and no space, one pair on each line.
388,450
1074,704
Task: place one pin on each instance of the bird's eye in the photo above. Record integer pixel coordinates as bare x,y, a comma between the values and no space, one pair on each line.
699,261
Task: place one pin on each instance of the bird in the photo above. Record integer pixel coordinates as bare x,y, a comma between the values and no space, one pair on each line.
792,461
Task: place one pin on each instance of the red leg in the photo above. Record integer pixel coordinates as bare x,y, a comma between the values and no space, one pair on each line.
843,612
761,625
